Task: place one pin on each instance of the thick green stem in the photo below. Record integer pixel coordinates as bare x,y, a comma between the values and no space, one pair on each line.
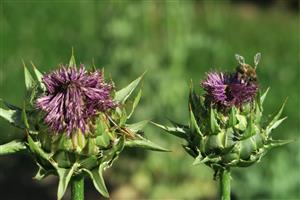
225,184
77,188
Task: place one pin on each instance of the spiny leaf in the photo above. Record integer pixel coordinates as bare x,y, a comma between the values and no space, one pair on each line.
42,173
135,103
10,106
12,147
7,114
12,116
177,131
144,144
123,94
35,148
64,179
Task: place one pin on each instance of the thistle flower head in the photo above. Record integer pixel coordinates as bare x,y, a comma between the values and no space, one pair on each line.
227,90
73,97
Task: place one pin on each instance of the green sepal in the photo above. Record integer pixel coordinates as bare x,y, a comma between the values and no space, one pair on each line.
59,142
89,162
276,121
198,159
246,163
232,117
211,158
247,147
250,129
189,150
90,147
102,132
242,122
274,125
24,117
196,104
103,140
112,154
64,175
29,81
214,143
122,116
72,61
145,144
263,96
258,113
12,147
39,77
177,131
276,143
135,103
208,159
97,178
123,94
137,126
214,126
63,159
194,125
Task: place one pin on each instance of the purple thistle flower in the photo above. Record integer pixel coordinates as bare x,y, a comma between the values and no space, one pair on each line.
73,97
227,90
215,85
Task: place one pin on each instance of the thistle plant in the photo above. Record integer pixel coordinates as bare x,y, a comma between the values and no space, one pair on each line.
227,128
75,125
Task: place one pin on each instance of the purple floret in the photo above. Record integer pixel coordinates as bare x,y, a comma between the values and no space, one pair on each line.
226,90
73,97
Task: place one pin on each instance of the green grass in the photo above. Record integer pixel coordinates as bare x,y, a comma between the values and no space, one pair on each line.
174,42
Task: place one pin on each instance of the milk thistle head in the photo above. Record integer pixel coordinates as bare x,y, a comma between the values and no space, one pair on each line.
73,97
225,128
75,124
226,90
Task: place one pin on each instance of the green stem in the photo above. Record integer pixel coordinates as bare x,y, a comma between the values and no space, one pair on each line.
225,184
77,188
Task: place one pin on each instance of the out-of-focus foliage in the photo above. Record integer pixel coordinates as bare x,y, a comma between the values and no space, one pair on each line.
174,41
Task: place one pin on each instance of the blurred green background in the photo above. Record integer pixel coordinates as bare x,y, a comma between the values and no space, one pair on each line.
175,41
